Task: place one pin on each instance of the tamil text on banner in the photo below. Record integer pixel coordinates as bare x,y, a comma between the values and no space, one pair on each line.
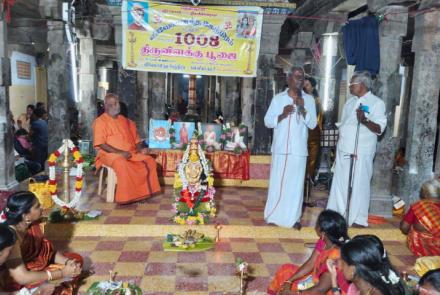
199,40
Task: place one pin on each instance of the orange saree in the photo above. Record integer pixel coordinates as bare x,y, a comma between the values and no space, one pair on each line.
137,176
425,243
38,254
286,271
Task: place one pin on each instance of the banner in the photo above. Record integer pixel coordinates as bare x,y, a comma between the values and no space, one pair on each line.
198,40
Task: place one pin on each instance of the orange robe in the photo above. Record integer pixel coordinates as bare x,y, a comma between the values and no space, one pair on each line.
38,254
137,176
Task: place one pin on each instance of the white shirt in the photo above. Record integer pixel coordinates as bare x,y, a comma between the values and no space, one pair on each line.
348,125
293,139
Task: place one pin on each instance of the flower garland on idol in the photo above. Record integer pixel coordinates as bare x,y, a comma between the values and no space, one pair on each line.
78,179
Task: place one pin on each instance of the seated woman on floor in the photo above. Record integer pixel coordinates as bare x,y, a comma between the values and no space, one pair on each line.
33,259
313,276
7,241
429,283
365,263
422,221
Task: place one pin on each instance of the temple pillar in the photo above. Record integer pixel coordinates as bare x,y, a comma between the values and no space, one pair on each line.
87,82
230,99
7,172
247,105
423,112
265,82
127,91
142,115
157,99
57,82
192,114
388,88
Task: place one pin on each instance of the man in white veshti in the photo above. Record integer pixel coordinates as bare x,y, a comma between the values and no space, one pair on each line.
290,114
372,124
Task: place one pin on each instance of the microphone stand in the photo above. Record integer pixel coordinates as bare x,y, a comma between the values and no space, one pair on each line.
353,156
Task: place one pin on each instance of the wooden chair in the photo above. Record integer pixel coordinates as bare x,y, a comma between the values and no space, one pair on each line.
111,182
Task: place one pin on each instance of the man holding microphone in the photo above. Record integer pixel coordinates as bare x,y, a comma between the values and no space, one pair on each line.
368,110
291,113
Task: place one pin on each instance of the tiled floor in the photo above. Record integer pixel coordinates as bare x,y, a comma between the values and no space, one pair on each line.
143,260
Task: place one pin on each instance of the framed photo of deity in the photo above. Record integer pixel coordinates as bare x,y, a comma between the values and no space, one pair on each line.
237,139
211,137
159,134
183,133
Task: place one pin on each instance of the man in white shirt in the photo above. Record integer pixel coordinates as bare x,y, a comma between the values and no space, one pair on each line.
373,121
291,113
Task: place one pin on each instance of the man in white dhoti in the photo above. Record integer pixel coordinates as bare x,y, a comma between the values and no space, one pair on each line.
291,113
372,118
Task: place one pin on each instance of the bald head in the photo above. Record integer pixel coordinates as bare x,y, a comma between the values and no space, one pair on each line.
111,104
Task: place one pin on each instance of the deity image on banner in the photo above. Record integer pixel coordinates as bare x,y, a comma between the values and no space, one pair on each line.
184,132
246,25
159,136
137,18
211,137
193,187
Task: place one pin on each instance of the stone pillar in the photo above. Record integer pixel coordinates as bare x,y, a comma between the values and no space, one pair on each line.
387,87
156,95
87,82
192,114
247,105
230,99
264,84
422,124
142,115
57,82
7,172
127,91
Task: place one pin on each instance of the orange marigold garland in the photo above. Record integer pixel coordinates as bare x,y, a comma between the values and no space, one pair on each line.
78,179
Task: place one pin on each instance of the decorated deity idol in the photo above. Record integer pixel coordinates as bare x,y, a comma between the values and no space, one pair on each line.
193,187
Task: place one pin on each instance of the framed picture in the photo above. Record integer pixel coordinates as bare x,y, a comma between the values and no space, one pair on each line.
237,139
211,136
85,147
159,136
184,132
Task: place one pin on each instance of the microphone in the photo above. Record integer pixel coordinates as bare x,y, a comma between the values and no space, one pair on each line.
364,108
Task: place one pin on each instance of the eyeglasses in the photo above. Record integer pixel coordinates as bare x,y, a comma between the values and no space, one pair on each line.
352,84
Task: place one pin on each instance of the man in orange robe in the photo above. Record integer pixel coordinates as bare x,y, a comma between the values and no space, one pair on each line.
120,148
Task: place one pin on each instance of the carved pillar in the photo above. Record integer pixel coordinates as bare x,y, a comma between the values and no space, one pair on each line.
87,82
264,84
192,114
230,99
156,95
422,124
57,90
142,115
247,105
7,172
387,87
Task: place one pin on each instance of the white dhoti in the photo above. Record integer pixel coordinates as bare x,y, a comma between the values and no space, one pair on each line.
360,197
286,186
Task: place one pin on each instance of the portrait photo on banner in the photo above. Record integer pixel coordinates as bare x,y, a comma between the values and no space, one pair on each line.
184,132
159,135
246,24
211,136
137,18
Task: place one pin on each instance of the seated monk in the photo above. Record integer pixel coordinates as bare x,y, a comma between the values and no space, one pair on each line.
33,259
120,148
313,277
422,221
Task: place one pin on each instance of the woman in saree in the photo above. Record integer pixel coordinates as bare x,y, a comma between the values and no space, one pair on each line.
33,259
365,263
422,221
313,277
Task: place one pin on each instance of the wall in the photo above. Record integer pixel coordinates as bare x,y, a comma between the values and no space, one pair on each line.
21,91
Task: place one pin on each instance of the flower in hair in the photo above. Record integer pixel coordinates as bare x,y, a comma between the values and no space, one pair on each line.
393,277
3,216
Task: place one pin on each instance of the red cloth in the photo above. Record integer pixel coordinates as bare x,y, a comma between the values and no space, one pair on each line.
225,165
